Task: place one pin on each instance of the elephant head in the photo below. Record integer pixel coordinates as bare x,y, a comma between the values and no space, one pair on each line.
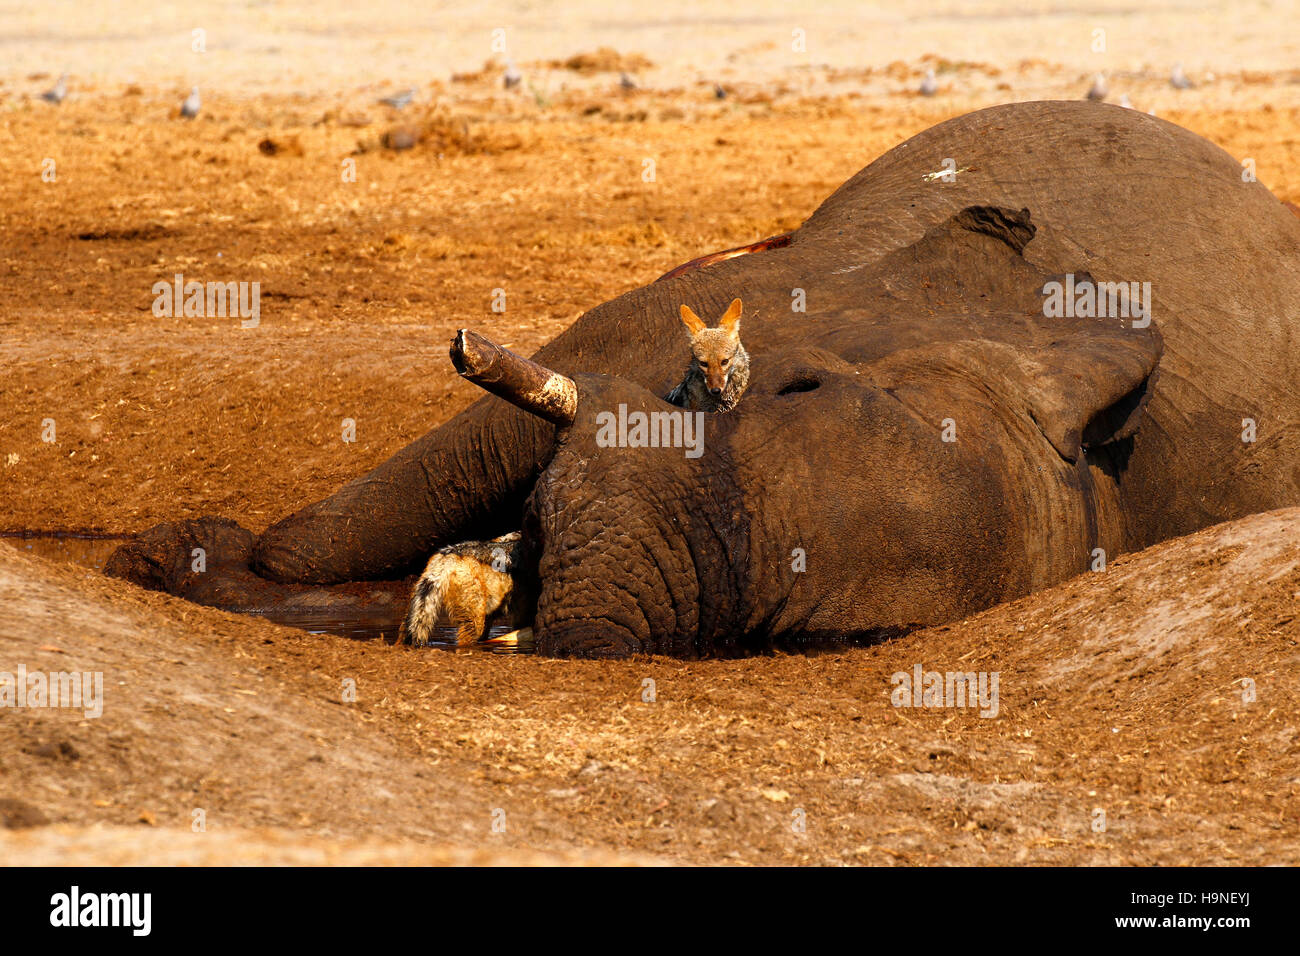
653,529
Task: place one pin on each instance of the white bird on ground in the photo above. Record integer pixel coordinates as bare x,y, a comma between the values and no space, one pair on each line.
512,76
399,100
190,108
1098,90
929,85
1125,102
57,92
1178,79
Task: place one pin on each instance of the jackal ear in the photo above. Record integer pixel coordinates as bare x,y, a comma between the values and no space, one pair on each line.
694,324
731,318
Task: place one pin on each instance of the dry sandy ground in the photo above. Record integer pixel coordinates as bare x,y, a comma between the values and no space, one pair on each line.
324,46
1120,692
364,283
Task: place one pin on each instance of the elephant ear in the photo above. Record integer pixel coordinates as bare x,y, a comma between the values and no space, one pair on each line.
1086,387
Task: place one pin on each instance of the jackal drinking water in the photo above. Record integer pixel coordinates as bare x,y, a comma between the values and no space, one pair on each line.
468,583
719,369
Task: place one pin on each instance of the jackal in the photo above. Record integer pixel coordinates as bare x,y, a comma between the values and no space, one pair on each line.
468,582
719,369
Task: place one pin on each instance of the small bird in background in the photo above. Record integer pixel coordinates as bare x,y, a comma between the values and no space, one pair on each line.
190,108
399,100
512,77
1098,91
57,92
626,82
718,92
929,85
1178,79
1125,102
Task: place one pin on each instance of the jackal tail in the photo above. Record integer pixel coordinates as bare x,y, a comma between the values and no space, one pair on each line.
427,601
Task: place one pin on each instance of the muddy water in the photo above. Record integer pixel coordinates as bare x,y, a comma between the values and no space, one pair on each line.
88,551
93,551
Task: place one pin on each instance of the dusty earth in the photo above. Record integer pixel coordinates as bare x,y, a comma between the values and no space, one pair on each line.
1124,692
1162,692
364,283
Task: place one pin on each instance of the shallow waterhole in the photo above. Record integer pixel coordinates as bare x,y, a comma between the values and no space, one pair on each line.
90,550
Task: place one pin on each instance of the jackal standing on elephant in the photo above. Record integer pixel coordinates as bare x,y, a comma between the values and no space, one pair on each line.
468,583
719,368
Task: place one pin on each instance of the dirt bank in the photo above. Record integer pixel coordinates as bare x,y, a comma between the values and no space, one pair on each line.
1119,691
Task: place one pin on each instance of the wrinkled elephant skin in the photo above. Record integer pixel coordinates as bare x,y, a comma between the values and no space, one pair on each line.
925,432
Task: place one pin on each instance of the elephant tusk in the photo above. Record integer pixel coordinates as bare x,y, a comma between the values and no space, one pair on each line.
520,381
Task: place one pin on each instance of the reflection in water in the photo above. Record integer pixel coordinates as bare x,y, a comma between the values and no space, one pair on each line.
92,551
88,551
372,626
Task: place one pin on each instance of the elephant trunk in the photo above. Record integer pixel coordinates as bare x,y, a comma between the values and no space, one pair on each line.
520,381
467,478
640,548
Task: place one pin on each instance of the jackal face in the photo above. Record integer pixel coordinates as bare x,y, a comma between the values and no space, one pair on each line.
716,352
